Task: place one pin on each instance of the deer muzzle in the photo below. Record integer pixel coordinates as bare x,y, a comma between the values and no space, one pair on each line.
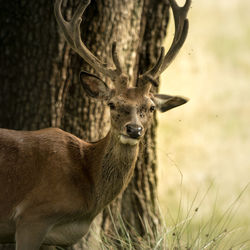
133,133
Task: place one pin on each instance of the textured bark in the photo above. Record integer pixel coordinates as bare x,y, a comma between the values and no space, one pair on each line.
138,204
40,88
27,54
104,23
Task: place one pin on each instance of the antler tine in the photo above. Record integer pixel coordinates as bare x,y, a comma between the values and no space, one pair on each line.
174,49
181,30
157,65
71,31
64,25
148,76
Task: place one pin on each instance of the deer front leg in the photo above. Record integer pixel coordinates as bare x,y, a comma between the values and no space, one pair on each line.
30,233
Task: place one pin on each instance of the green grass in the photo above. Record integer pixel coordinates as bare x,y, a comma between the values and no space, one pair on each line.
216,230
185,228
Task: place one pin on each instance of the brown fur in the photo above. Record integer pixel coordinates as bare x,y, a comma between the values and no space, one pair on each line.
53,184
53,174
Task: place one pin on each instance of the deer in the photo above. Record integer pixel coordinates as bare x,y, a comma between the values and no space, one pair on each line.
53,184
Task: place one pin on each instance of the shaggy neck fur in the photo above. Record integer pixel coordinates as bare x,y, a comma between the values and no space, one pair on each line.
117,168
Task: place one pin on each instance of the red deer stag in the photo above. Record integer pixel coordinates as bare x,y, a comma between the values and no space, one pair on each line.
52,183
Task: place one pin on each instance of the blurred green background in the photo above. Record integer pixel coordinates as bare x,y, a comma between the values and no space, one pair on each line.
204,145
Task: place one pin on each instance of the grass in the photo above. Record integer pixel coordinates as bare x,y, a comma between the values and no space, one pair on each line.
185,229
208,139
193,230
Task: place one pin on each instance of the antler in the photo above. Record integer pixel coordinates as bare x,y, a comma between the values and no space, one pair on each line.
181,30
72,34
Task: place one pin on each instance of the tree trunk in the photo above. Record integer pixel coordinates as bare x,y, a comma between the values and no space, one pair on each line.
40,87
138,204
28,51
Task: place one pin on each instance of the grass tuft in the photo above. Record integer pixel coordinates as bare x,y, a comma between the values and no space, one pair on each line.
184,229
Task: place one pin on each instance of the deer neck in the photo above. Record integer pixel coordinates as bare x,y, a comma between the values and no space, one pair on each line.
117,167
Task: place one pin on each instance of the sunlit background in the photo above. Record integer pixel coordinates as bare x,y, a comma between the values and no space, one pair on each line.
204,145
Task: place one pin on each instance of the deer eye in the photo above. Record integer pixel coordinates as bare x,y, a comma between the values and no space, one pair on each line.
111,105
152,109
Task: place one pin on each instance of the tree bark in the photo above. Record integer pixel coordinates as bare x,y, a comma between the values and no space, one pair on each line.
40,87
28,48
138,204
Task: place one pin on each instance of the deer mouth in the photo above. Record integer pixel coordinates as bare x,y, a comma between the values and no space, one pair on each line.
124,139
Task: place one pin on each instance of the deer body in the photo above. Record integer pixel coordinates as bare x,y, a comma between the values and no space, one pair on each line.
82,178
52,183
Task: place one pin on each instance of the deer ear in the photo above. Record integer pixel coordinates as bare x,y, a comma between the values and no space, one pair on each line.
167,102
94,86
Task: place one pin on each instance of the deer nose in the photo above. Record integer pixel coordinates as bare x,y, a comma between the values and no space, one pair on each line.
134,131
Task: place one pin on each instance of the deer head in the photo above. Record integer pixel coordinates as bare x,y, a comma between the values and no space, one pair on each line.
131,108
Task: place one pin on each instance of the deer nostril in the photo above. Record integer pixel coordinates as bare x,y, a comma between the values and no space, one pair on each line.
129,129
133,130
